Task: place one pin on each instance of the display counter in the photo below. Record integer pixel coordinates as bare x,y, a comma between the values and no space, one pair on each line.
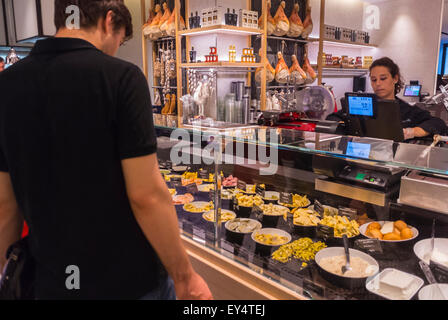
301,193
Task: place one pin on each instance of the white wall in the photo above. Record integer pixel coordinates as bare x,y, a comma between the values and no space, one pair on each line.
410,35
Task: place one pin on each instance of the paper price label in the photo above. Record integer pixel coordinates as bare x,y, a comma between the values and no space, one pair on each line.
319,208
192,188
241,185
370,245
286,197
324,232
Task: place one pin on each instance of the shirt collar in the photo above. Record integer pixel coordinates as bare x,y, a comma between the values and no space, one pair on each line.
61,45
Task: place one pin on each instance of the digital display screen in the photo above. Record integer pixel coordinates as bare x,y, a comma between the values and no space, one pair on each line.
360,150
412,91
360,106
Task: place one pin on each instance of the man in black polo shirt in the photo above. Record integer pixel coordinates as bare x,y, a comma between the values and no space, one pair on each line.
78,162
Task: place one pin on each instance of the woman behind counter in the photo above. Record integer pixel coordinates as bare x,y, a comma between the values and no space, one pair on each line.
386,81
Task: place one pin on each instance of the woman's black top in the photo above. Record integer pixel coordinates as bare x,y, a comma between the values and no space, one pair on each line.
411,117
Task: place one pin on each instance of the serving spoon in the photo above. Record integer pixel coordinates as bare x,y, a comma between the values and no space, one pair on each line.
347,266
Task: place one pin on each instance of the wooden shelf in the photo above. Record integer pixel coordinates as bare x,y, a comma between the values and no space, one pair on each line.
220,29
221,64
345,44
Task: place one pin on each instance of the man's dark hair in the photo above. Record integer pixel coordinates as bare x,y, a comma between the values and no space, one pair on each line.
394,70
93,10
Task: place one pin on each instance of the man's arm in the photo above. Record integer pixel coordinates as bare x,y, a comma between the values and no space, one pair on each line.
154,211
11,221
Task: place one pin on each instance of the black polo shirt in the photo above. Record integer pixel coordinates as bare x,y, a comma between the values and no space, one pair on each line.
68,115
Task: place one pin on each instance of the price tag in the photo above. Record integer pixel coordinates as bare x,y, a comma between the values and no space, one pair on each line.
370,245
348,212
324,232
227,246
259,191
286,197
210,238
169,164
440,271
203,174
192,188
319,208
188,228
176,182
198,233
241,185
312,287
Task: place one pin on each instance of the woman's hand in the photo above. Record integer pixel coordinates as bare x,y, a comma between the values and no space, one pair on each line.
417,132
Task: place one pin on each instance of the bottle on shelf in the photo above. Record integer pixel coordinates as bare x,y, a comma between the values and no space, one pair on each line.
198,20
192,21
192,55
234,18
228,17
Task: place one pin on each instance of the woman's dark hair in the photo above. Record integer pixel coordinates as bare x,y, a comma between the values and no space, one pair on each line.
1,60
91,11
394,70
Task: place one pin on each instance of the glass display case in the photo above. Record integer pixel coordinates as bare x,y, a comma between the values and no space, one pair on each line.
284,200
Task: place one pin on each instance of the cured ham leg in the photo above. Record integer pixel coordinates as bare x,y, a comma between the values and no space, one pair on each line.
311,74
153,30
282,70
165,18
307,24
281,21
171,24
295,23
270,72
297,74
271,21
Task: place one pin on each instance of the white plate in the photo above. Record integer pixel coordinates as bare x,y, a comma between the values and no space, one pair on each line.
392,293
363,230
179,168
197,204
423,247
272,231
430,292
233,214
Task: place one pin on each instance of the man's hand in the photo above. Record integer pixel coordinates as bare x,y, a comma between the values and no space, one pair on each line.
417,132
193,288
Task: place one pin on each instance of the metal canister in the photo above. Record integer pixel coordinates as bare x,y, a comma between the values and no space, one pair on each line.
246,109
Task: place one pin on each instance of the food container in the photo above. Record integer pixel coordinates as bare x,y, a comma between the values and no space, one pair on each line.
343,281
430,292
198,204
394,284
231,214
422,249
271,197
242,211
237,236
272,220
266,249
363,230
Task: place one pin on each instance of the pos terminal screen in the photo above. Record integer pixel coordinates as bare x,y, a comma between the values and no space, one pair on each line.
360,150
360,106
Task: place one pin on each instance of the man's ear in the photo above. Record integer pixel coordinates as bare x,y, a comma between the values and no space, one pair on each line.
108,22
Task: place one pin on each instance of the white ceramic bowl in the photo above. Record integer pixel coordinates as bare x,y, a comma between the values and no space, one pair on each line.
272,231
231,213
423,247
269,194
363,230
205,187
430,292
257,223
197,204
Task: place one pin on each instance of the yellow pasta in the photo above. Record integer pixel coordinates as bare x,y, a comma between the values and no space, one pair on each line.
303,249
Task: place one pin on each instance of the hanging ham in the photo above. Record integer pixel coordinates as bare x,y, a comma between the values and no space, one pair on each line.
153,30
171,25
271,21
270,71
295,23
165,18
282,70
307,24
281,21
297,74
311,74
